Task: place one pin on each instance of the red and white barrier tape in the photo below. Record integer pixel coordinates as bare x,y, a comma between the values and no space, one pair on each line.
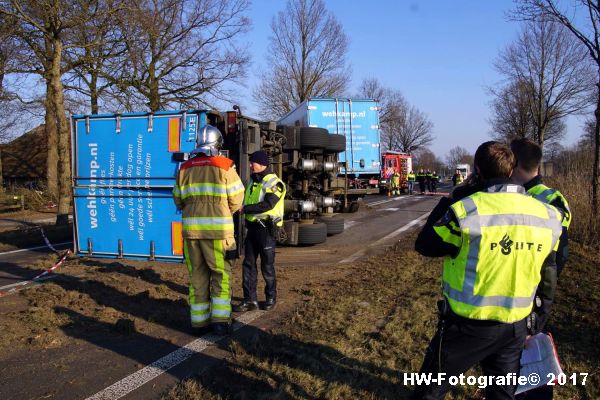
47,241
21,285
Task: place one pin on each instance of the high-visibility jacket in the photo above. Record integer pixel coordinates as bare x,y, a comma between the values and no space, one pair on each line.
396,179
505,238
411,177
255,193
208,190
548,195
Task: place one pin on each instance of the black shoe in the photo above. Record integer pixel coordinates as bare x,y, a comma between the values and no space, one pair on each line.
221,329
201,331
245,305
269,304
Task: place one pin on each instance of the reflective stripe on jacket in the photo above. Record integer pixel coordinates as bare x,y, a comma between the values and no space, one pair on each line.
505,238
548,195
255,193
208,190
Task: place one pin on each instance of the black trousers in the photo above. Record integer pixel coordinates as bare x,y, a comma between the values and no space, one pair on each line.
464,343
259,243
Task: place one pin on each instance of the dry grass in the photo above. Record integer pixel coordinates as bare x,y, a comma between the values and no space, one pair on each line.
355,339
585,228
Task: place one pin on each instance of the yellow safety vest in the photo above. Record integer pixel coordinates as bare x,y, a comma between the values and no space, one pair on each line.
255,193
411,177
547,195
505,238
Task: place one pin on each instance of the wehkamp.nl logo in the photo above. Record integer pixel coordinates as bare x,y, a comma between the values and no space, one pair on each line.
344,114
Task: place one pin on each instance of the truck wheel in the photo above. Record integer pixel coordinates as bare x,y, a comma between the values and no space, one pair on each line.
312,233
337,144
335,225
314,138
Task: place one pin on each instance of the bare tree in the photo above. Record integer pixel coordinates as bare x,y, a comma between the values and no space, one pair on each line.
307,58
403,127
392,109
512,116
43,27
587,32
423,158
548,70
179,53
458,155
412,132
98,45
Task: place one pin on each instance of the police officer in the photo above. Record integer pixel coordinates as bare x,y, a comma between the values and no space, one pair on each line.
526,173
411,181
263,210
208,190
434,181
428,176
495,242
421,179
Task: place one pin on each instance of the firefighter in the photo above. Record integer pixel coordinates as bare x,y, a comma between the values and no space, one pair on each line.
529,156
263,210
498,245
395,183
434,181
421,179
208,190
411,181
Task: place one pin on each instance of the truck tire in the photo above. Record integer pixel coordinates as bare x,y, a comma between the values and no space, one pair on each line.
335,225
314,138
337,144
312,233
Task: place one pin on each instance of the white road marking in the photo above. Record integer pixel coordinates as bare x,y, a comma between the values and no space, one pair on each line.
388,209
33,248
398,231
158,367
348,224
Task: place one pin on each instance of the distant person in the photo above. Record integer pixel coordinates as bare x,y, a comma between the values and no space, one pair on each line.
395,183
489,277
428,180
421,177
411,177
457,178
263,210
208,190
435,178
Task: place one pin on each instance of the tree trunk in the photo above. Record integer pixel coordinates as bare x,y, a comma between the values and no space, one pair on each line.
64,173
52,140
94,92
596,171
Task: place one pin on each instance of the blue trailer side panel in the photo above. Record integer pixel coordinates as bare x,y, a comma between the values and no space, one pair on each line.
357,119
124,172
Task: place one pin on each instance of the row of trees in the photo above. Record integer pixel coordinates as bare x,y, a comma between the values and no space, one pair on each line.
125,55
551,71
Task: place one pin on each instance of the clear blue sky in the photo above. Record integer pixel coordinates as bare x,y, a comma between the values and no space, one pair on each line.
439,54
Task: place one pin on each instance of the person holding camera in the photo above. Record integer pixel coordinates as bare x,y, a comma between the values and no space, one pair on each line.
263,211
499,246
208,190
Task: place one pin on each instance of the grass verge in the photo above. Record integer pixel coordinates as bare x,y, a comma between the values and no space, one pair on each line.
354,340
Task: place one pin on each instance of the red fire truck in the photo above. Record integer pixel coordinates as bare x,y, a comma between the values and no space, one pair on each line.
392,161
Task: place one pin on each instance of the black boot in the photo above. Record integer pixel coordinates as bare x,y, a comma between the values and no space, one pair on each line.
269,304
245,305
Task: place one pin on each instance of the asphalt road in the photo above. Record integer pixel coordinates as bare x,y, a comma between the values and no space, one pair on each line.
69,372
